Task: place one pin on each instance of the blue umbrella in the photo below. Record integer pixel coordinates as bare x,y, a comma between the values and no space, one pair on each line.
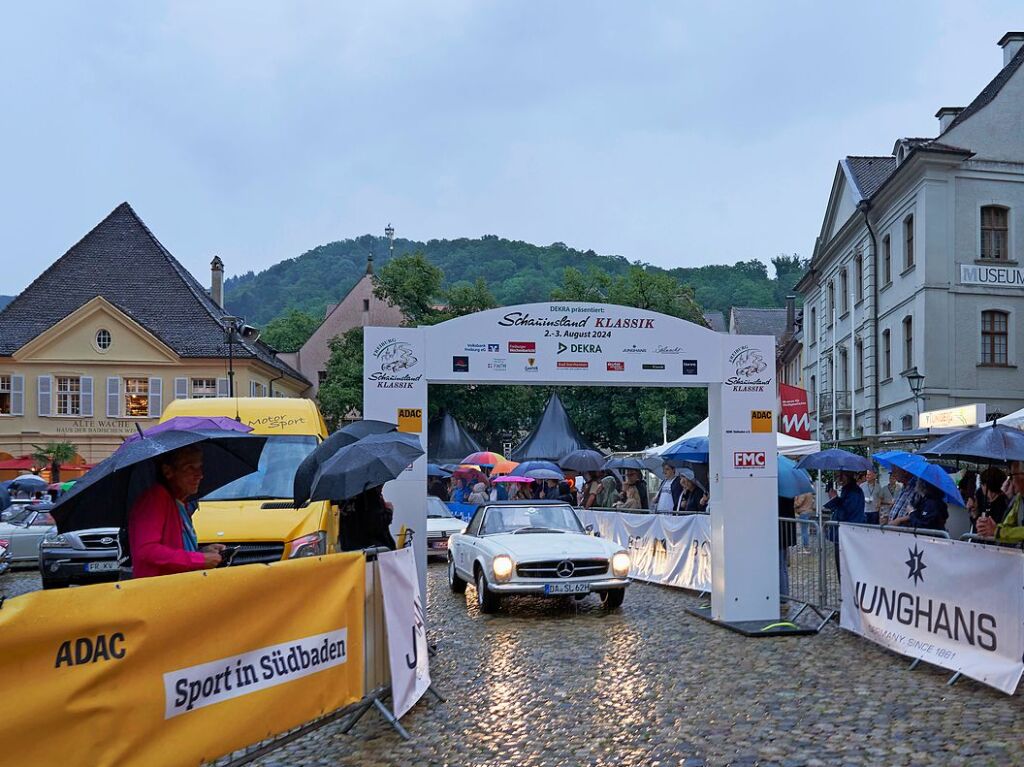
917,466
792,481
544,474
694,449
433,470
835,460
525,466
995,443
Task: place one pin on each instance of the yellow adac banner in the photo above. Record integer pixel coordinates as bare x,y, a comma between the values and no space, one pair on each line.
180,669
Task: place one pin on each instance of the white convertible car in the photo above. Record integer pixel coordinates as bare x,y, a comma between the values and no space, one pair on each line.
534,547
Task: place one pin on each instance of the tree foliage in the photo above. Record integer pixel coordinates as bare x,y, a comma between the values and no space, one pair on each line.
54,454
290,331
341,393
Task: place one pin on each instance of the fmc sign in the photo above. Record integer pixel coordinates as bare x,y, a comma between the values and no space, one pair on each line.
581,344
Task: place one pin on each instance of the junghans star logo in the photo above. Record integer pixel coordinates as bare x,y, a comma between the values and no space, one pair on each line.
916,565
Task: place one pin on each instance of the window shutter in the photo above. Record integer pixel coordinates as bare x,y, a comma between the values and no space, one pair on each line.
17,395
86,383
113,397
222,387
156,397
44,388
180,388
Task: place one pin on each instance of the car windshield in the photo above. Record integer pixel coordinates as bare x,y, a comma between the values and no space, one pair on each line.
275,477
18,516
436,508
43,519
512,519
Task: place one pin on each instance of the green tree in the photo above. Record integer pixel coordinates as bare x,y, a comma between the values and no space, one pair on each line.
54,454
290,331
341,393
413,284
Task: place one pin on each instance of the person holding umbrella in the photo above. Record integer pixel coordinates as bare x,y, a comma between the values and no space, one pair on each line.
163,539
928,512
1011,529
846,506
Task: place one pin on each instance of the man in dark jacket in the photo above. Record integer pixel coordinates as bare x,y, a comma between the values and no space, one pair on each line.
846,506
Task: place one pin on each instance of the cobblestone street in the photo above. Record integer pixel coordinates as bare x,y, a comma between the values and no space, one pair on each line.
560,683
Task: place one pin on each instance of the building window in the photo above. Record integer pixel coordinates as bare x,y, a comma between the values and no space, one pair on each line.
830,306
366,304
907,422
5,395
813,329
203,388
908,242
886,354
136,397
813,399
321,377
859,266
887,260
886,425
103,339
844,289
69,395
844,369
908,343
994,232
858,350
994,337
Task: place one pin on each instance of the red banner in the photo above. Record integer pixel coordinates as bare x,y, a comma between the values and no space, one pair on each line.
795,421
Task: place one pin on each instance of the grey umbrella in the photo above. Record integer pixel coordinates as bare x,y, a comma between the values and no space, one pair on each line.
346,435
624,463
370,462
583,460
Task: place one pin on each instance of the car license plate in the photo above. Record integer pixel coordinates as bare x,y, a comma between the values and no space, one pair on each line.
100,567
439,544
566,588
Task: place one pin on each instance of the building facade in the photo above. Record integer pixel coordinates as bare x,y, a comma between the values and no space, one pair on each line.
112,331
916,272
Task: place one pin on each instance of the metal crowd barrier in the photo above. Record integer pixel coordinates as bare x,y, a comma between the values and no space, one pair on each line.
988,541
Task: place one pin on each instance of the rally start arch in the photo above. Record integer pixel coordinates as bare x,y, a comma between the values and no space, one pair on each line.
581,344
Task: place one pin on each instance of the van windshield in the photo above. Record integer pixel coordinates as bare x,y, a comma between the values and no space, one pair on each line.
274,479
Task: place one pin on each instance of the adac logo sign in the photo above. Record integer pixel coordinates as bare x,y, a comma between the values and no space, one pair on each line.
395,362
749,459
750,370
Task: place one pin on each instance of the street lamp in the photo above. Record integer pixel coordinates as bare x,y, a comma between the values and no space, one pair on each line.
389,232
916,381
235,330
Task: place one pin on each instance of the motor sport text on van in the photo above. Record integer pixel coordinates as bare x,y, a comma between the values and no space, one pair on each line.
255,512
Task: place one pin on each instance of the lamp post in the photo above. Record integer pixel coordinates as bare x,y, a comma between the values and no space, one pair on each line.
236,331
916,382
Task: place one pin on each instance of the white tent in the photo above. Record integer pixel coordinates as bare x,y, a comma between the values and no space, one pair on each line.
787,445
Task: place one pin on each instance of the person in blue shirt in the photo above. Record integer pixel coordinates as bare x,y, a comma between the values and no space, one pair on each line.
846,506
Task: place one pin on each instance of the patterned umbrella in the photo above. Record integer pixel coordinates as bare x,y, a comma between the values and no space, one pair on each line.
484,458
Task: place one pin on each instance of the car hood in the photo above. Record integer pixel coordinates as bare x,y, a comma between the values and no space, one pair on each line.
445,525
540,546
242,521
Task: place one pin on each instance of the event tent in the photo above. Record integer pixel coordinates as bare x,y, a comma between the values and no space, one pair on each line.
787,445
447,441
553,438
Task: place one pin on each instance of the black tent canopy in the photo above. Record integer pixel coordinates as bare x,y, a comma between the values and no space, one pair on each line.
553,438
447,441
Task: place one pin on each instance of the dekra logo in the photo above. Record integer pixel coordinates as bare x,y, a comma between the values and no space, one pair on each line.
579,348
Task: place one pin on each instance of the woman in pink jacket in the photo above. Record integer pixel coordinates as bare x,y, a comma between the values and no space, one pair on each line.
160,532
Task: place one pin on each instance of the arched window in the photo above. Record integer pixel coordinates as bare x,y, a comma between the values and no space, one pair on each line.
995,227
994,337
907,422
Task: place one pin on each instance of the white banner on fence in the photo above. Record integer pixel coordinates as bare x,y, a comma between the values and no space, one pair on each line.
407,631
666,549
956,605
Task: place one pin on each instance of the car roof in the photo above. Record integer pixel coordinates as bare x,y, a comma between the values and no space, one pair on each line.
538,502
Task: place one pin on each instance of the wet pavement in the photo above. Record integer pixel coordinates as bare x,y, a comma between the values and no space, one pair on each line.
564,683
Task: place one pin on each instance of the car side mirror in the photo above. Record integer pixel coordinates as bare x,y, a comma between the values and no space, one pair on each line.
591,531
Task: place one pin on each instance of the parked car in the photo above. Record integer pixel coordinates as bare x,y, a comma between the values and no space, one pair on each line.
26,530
5,556
535,547
441,524
79,557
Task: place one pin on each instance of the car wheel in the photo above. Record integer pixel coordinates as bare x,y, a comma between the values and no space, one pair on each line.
612,599
455,583
486,599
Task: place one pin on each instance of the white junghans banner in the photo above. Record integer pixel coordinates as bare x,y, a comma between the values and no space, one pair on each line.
407,630
663,548
953,604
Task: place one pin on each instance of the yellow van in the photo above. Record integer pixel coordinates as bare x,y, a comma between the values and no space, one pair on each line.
255,512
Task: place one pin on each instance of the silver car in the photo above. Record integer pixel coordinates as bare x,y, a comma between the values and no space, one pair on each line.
24,532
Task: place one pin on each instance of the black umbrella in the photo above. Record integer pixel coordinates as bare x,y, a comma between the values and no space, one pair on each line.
583,460
835,459
103,497
343,437
370,462
624,463
988,443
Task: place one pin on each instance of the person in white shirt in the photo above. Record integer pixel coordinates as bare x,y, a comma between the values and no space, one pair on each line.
872,496
669,492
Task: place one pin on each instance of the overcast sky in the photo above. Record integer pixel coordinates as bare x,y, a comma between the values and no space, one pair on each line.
674,133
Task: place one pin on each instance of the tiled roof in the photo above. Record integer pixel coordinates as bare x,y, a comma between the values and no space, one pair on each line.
989,92
869,173
123,262
749,321
716,321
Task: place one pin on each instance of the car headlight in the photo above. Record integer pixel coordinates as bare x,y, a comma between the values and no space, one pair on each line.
620,564
53,540
312,545
502,567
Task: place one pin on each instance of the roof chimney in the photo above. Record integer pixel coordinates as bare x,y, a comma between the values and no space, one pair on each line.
1010,43
217,281
369,264
946,115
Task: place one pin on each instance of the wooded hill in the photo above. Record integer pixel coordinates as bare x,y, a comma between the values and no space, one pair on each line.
515,271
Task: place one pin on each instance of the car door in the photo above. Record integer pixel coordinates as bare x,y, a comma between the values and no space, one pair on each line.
467,546
21,538
39,526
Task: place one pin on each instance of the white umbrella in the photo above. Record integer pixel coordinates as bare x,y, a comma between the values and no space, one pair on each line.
786,444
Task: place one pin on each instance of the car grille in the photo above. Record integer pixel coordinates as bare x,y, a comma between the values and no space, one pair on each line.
95,541
254,553
549,569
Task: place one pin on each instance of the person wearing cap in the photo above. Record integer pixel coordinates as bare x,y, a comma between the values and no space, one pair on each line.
1011,529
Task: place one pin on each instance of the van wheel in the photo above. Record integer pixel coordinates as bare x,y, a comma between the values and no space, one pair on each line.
612,599
486,599
455,583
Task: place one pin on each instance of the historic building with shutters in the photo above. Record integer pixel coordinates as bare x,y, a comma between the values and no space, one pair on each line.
914,296
113,330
